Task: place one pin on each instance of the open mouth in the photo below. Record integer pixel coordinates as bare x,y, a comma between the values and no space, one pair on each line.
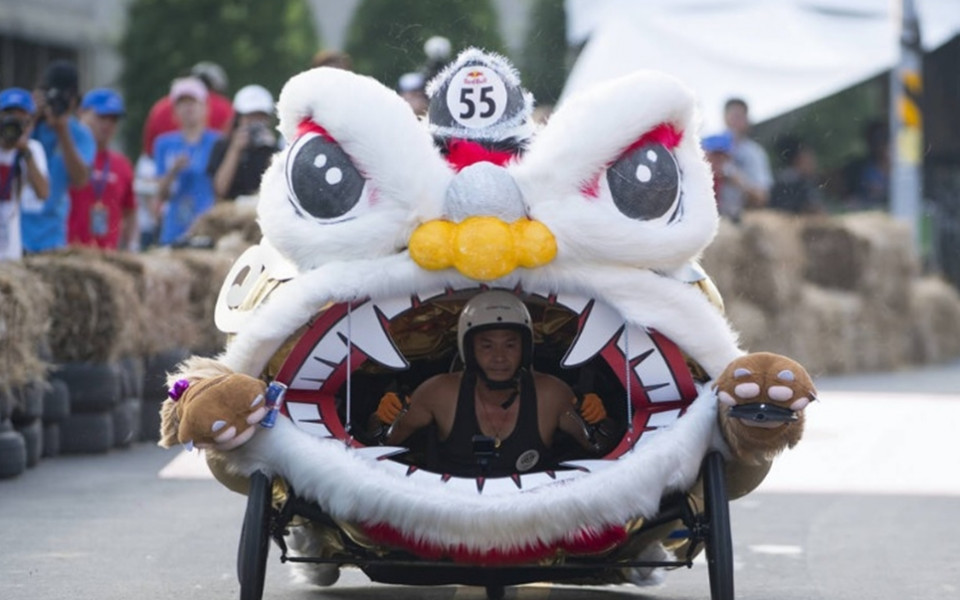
352,353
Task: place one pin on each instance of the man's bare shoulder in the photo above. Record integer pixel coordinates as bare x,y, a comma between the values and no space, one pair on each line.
438,388
552,389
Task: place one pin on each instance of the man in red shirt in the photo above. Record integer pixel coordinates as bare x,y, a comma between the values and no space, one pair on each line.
103,212
219,108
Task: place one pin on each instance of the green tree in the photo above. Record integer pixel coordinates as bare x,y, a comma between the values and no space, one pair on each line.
386,36
544,61
253,40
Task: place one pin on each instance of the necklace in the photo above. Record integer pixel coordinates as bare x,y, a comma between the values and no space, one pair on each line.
497,438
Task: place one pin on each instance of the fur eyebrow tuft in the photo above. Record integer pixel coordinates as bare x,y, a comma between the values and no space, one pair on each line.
664,133
308,125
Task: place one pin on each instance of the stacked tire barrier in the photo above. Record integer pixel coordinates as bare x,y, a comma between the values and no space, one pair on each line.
839,294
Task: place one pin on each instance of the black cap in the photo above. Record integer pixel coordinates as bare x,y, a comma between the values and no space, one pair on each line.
60,75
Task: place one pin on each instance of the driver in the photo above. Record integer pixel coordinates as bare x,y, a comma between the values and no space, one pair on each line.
497,417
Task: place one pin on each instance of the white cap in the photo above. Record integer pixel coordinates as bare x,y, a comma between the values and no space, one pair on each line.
188,86
253,99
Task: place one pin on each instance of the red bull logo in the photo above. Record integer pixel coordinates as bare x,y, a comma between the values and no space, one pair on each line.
474,77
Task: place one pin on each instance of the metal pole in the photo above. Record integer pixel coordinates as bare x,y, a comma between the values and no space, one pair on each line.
906,124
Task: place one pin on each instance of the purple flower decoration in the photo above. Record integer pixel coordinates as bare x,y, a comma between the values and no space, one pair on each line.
178,389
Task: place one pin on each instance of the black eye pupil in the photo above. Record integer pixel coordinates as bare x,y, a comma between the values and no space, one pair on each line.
644,183
323,180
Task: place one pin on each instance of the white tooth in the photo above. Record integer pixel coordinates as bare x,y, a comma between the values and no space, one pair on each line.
367,333
601,326
257,400
375,453
592,466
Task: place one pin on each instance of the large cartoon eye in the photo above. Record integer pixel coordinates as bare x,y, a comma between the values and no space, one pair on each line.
321,178
645,182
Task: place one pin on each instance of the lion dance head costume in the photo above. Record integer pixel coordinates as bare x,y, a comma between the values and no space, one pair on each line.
378,227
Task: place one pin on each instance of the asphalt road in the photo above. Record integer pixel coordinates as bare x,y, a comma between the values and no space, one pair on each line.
867,506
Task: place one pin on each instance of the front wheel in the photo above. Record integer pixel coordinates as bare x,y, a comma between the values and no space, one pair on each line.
719,543
255,538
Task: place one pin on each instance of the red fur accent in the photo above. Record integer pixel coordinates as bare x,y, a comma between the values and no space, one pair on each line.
664,134
463,153
308,126
585,541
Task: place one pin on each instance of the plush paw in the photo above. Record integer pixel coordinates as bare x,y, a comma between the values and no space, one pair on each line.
221,412
761,401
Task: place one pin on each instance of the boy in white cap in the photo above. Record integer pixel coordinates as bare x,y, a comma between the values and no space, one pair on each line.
184,190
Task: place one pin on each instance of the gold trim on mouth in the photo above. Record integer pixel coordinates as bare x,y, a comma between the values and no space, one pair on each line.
482,248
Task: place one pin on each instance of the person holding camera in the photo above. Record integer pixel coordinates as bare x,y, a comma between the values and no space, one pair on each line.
184,190
23,167
238,161
69,147
103,212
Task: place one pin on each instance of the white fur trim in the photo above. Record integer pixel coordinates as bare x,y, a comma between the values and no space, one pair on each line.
356,489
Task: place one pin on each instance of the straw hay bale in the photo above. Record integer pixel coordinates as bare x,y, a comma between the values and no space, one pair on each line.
750,322
870,253
935,320
226,218
24,305
723,257
94,313
770,269
208,270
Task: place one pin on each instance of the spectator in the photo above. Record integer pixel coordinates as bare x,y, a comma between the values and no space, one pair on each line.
717,148
103,212
219,111
868,178
796,188
333,59
69,147
748,179
23,167
184,190
412,88
238,161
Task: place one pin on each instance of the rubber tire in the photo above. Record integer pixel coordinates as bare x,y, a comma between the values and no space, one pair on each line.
255,538
126,422
133,368
51,440
719,541
94,387
6,403
56,402
87,433
13,451
150,419
28,403
495,592
33,441
156,369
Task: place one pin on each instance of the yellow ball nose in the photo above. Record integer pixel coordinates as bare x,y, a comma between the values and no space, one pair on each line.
482,248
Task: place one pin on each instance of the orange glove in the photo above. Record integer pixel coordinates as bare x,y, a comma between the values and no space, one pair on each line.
389,408
592,410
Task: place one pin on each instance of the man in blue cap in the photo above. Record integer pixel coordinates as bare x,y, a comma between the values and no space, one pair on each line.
69,146
103,212
23,167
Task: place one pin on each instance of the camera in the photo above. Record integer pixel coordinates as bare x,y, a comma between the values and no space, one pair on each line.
11,128
259,134
58,101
